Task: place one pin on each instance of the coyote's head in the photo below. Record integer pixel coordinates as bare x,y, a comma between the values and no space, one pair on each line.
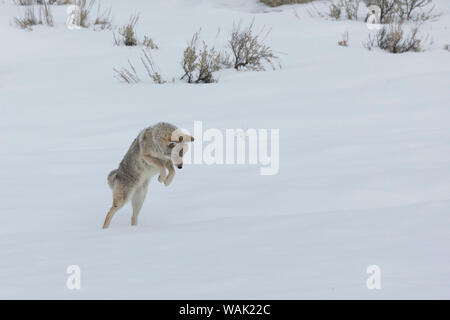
174,143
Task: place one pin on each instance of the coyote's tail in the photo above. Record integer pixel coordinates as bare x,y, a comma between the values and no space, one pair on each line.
111,178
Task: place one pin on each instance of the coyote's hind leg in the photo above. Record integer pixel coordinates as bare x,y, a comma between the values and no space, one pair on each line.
137,201
119,199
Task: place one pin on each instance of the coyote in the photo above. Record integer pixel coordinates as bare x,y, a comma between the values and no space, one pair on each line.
154,150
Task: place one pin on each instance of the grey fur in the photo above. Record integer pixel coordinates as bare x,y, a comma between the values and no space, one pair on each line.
149,154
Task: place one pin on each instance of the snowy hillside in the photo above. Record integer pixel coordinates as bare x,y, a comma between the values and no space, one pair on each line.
364,162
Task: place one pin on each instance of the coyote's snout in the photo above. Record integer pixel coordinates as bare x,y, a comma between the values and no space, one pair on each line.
154,150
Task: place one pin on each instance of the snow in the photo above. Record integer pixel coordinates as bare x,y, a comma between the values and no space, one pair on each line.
364,173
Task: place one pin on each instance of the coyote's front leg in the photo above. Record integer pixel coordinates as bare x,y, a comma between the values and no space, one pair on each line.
157,163
169,165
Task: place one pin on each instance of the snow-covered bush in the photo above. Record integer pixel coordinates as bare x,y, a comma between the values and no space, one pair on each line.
393,39
249,50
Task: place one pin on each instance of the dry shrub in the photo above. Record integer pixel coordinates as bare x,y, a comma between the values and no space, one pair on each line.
416,10
276,3
390,11
46,14
28,2
84,12
447,47
344,41
351,8
128,37
150,67
406,7
130,75
335,11
81,11
103,19
401,10
24,2
190,56
149,43
387,9
249,50
199,64
128,33
29,20
393,39
41,2
43,17
59,2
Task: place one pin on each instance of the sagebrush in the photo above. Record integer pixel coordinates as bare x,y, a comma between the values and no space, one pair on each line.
128,37
394,39
128,33
103,19
199,63
248,48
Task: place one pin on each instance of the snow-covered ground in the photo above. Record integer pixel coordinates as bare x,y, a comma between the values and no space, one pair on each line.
364,174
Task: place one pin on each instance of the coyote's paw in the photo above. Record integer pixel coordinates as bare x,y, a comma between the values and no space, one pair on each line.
168,180
162,179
